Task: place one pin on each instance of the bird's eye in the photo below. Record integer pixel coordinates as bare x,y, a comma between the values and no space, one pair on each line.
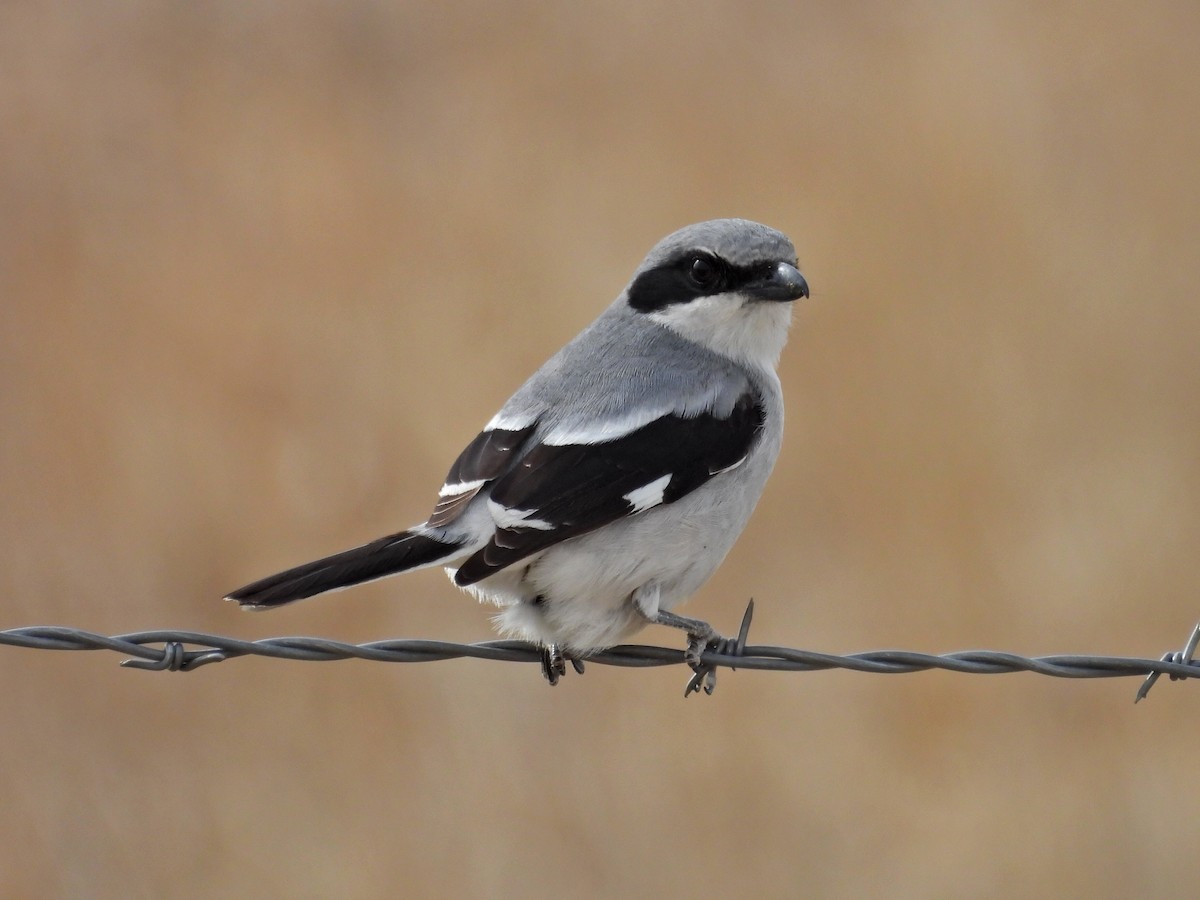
703,272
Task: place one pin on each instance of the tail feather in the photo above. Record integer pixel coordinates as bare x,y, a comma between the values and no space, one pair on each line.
382,557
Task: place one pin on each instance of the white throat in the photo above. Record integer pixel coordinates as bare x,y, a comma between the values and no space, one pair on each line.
749,331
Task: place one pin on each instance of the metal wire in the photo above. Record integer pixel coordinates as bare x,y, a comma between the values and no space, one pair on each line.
174,655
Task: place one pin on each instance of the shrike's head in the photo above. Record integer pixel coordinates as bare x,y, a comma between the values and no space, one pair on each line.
727,284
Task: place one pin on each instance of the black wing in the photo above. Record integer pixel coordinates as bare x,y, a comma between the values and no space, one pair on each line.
484,459
560,492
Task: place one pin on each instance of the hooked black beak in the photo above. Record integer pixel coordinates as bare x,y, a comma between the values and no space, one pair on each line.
784,283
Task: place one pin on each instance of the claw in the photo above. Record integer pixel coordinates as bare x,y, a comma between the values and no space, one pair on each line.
697,644
554,664
704,674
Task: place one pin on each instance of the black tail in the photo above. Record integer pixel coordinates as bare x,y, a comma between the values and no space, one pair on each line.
385,556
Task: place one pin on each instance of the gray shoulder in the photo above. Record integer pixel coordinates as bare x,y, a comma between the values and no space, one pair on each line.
620,373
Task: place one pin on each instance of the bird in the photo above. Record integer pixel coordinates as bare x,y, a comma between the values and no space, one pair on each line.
613,483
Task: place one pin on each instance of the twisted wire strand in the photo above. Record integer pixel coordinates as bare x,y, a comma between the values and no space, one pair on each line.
174,655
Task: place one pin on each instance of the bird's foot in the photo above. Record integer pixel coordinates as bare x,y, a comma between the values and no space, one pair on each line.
704,677
702,637
554,663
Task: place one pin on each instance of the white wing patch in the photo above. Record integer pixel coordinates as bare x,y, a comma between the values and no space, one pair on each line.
461,487
516,518
717,398
603,430
648,495
507,422
727,468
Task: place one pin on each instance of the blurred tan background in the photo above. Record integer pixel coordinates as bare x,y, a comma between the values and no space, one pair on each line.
265,267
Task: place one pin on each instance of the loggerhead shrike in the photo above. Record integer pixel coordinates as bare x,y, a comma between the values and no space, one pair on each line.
612,484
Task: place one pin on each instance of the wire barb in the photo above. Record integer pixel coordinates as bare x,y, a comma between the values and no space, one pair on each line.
143,652
175,659
1181,657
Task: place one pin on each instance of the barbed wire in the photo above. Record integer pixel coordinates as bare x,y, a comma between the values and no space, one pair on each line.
174,655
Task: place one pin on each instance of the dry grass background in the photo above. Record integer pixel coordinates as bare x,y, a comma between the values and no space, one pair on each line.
265,267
